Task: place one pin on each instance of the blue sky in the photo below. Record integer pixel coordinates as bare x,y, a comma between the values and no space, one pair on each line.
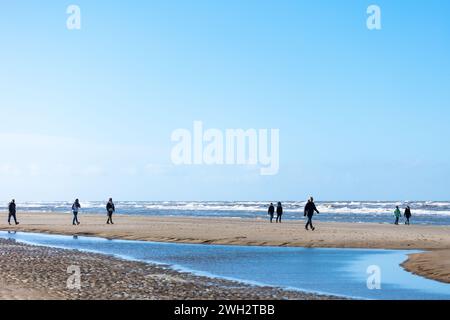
363,115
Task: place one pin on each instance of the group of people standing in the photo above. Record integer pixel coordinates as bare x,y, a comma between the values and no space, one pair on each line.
110,209
271,212
398,214
310,208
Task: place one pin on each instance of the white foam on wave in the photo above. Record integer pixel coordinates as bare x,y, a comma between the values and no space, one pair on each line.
420,208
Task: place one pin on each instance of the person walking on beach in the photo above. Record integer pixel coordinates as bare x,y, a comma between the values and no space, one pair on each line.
75,208
12,212
279,212
397,215
407,215
310,207
271,212
110,208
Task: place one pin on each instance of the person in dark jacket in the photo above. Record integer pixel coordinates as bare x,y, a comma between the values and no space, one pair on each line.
110,209
271,212
75,208
12,212
309,212
407,214
279,212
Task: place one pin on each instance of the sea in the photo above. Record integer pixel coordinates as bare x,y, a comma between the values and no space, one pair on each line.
423,212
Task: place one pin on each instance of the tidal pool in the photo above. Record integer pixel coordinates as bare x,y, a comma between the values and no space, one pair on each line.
341,272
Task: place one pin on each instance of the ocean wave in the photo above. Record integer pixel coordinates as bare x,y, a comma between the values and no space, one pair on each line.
244,208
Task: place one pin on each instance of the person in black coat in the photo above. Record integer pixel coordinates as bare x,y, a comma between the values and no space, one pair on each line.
271,212
407,214
110,209
75,208
310,208
12,212
279,212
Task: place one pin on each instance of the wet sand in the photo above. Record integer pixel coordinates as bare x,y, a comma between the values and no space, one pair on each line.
434,263
35,273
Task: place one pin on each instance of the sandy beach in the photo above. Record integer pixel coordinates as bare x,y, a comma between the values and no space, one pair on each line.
40,273
434,263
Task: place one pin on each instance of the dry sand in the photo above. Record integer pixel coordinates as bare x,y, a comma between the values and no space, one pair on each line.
435,263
